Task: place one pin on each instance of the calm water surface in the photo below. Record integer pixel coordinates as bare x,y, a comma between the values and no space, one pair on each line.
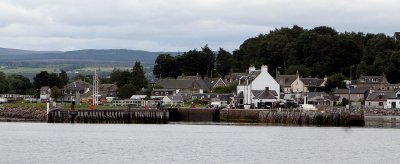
183,143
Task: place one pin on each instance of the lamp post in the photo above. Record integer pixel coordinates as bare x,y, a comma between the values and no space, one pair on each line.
349,85
212,72
276,71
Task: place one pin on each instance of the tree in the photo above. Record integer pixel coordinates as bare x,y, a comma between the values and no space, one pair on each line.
126,91
166,66
56,93
120,77
41,79
138,80
3,83
224,62
63,78
228,89
333,81
293,69
19,84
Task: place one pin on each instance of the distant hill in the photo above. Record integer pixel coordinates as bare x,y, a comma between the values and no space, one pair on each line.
80,56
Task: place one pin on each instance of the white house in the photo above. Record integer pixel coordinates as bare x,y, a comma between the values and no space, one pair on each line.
394,100
256,80
308,84
45,93
173,100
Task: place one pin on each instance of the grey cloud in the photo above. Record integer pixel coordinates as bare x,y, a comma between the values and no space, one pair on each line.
178,25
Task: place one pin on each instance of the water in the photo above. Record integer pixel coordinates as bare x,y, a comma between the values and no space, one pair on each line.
184,143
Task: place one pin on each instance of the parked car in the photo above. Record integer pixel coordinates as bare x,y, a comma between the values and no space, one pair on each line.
3,100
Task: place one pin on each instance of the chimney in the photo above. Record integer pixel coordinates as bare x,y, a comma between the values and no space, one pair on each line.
266,92
264,68
251,69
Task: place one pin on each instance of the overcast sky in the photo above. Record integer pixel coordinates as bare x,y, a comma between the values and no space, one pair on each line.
178,25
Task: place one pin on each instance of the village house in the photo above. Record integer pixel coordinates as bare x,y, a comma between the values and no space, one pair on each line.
378,99
76,90
308,84
374,83
393,100
170,100
264,98
286,81
356,94
233,77
108,91
321,99
158,93
191,83
45,93
256,80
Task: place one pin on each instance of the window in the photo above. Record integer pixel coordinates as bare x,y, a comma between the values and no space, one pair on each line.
156,93
380,103
369,103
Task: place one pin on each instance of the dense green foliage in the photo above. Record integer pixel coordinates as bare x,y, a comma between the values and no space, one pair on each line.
228,89
50,79
129,82
321,51
189,63
15,84
56,93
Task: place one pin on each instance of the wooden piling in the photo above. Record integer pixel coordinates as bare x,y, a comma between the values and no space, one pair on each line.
108,116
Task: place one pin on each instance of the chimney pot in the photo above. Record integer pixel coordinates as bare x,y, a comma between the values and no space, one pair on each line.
266,91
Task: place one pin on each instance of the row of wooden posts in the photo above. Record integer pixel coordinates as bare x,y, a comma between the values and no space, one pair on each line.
108,116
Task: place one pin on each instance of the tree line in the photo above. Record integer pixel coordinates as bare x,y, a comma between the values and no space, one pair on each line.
18,84
321,51
130,82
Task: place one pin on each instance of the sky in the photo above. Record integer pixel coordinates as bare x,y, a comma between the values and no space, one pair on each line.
178,25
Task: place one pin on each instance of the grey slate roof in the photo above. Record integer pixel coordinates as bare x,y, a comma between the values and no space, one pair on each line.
312,81
286,80
108,87
372,79
176,98
176,84
380,95
44,88
263,95
316,94
77,86
352,91
210,82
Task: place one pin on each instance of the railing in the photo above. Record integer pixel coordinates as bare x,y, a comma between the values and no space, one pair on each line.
12,97
136,103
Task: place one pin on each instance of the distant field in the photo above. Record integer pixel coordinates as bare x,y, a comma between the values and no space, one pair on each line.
28,70
102,69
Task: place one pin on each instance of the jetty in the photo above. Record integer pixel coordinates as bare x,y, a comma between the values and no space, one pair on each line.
109,116
163,116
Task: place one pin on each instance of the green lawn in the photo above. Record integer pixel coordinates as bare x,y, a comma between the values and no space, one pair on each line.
24,105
